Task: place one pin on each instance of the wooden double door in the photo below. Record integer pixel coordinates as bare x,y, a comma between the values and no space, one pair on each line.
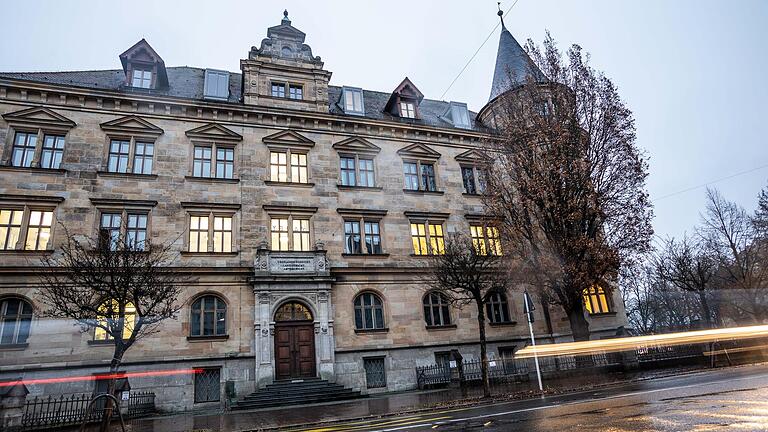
295,349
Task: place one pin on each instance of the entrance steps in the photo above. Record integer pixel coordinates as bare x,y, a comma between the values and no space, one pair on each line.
296,392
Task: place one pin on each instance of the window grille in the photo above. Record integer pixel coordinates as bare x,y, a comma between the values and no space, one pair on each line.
207,385
375,372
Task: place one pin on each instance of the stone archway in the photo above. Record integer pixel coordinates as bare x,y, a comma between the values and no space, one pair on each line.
294,341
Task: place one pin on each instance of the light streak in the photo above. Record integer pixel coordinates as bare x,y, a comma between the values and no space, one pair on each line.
101,377
634,342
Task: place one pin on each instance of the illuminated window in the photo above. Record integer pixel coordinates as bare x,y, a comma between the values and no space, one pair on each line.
111,318
198,233
437,310
208,317
15,320
485,239
301,235
596,301
298,168
205,236
427,238
38,230
289,233
10,228
369,312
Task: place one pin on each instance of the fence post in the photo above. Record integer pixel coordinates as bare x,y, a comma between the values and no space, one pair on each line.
12,398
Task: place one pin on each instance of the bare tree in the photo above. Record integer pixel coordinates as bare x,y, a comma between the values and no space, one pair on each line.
468,274
760,219
117,286
568,179
686,265
733,239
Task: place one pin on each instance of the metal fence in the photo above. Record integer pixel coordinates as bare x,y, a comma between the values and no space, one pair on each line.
64,410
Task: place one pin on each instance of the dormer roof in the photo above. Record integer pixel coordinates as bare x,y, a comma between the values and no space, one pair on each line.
143,53
406,90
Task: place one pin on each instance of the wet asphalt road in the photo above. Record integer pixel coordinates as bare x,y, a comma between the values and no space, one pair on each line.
715,400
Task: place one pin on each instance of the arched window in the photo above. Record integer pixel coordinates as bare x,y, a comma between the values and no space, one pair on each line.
496,308
293,311
111,312
596,301
208,317
436,310
15,319
369,312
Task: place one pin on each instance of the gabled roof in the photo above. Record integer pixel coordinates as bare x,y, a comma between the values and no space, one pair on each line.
470,156
420,151
406,89
131,125
142,51
39,117
513,65
288,138
356,145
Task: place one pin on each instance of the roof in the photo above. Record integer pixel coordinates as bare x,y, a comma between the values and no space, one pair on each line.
513,65
187,83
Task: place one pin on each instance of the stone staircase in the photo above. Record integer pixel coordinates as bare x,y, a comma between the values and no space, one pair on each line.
296,392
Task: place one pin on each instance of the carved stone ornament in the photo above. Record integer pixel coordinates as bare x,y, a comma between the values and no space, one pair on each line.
264,332
317,330
322,296
324,329
272,331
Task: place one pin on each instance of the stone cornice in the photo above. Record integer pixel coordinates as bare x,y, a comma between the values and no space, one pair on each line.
28,93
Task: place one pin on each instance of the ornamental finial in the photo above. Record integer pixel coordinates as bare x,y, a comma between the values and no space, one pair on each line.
285,17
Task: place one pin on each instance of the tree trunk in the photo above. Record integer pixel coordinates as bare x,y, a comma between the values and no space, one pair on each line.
705,310
483,351
579,324
114,367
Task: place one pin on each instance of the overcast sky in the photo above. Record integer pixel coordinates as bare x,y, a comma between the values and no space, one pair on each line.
693,71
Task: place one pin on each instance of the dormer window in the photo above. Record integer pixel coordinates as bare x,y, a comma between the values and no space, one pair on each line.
141,78
352,101
278,90
458,114
216,84
407,109
404,101
295,92
143,67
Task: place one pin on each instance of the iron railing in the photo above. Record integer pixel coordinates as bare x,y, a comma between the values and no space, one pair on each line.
65,410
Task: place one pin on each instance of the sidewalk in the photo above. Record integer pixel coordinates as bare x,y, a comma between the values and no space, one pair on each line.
374,406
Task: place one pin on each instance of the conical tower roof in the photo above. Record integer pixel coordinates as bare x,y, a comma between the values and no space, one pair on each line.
513,65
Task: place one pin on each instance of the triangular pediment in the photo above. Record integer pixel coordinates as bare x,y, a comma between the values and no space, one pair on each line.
131,125
39,117
288,138
356,145
471,156
419,151
214,131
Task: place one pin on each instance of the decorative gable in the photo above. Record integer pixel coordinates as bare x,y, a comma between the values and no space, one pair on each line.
131,125
471,156
356,145
142,56
39,117
419,151
406,91
214,132
288,138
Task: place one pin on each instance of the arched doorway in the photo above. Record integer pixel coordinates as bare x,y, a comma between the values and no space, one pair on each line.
294,342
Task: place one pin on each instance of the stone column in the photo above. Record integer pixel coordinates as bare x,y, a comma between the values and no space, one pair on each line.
12,400
326,348
263,340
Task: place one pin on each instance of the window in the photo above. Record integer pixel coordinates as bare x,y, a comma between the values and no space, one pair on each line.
208,317
357,171
216,84
372,238
38,230
206,237
473,179
485,239
118,156
141,78
352,240
201,165
369,312
352,100
375,372
207,385
596,301
407,109
419,176
436,310
131,223
295,91
110,319
427,238
225,162
293,311
24,149
36,224
142,158
53,151
289,233
15,321
460,115
278,90
496,308
279,171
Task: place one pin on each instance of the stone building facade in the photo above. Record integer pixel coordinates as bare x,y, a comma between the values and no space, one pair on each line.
302,210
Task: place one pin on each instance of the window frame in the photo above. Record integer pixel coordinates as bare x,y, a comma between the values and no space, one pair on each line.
214,147
18,318
352,91
24,227
221,74
132,140
363,307
210,242
482,241
479,186
356,171
442,306
362,221
597,295
428,243
498,301
287,86
41,134
291,217
101,336
218,300
144,68
125,213
289,166
407,108
420,175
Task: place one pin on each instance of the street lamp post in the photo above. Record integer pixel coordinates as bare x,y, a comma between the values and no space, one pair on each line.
529,308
